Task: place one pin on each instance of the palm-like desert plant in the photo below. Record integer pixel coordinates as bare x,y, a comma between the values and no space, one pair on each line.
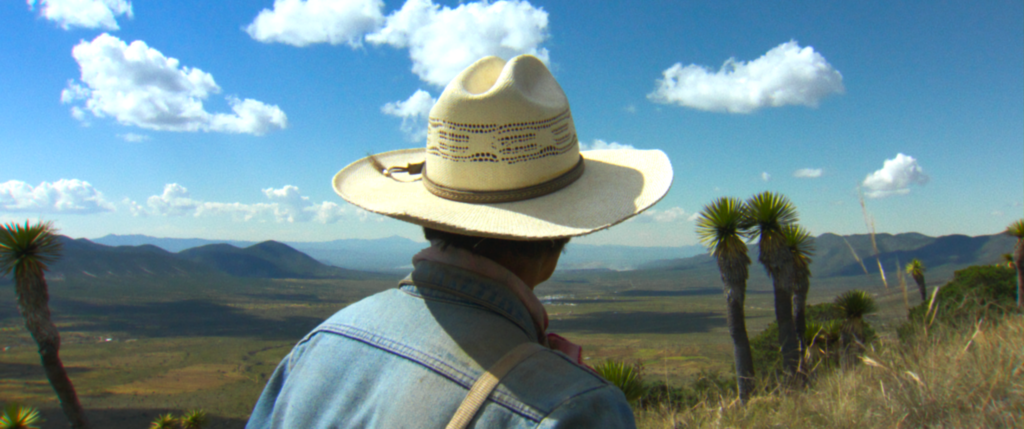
194,419
165,421
1016,229
766,215
855,304
720,228
916,270
800,243
16,416
627,377
26,250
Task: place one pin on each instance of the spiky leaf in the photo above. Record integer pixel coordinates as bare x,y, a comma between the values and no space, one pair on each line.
27,249
16,416
166,421
855,304
194,419
1016,229
626,377
720,226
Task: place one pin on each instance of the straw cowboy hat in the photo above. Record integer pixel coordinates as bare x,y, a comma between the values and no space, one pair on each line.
502,161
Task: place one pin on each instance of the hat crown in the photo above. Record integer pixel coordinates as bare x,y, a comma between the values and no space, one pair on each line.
501,126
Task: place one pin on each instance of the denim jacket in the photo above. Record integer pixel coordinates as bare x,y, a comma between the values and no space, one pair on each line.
406,358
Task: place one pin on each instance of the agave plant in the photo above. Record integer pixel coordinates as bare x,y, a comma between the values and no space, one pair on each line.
627,377
720,228
194,419
166,421
855,304
16,416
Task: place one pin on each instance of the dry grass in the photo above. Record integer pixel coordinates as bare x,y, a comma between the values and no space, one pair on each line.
951,379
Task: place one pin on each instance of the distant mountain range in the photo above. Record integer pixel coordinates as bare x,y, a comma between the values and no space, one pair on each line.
268,259
395,253
837,256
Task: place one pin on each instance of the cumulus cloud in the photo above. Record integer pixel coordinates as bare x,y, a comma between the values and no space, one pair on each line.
284,205
664,216
807,173
63,196
138,85
785,75
599,144
304,22
443,41
765,176
894,178
414,112
83,13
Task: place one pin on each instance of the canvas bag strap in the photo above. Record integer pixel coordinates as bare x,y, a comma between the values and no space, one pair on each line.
488,381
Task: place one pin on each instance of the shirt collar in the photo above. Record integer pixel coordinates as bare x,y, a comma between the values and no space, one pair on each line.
484,267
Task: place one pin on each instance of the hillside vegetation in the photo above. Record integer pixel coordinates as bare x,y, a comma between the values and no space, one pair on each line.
959,362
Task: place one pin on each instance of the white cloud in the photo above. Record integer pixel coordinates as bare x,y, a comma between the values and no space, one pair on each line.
599,144
997,213
785,75
443,41
304,22
414,112
133,138
630,108
663,216
285,205
83,13
895,177
807,173
63,196
139,86
765,176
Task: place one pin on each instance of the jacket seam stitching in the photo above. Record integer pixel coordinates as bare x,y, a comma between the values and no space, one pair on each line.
430,362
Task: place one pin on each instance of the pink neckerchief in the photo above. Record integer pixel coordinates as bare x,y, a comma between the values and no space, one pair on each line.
485,267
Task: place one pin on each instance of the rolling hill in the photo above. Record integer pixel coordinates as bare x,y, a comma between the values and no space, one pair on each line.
837,256
270,259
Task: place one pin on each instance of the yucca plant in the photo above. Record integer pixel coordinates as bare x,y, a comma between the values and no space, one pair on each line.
916,270
720,228
855,304
1016,229
766,214
165,421
194,419
26,251
16,416
801,244
627,377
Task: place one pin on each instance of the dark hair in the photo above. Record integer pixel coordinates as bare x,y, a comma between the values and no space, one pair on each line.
495,248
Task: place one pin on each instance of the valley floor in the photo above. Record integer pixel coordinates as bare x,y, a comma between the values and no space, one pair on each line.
137,348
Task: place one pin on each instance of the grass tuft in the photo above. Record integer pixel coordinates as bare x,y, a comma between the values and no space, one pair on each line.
953,377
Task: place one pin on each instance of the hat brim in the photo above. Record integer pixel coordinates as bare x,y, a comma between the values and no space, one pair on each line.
616,185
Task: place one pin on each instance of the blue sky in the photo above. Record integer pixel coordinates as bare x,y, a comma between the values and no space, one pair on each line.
227,120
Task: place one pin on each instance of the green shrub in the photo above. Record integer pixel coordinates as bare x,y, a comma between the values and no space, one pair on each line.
975,293
705,385
627,377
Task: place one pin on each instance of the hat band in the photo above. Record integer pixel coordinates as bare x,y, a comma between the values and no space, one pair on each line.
505,196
